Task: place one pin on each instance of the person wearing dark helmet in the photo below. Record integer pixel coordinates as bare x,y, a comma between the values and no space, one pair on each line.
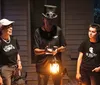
49,43
88,63
9,56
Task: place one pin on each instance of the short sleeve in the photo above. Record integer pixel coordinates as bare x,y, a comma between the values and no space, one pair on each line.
36,39
18,47
81,47
17,44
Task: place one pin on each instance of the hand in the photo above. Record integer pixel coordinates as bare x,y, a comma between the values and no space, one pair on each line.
1,80
78,76
54,52
97,69
49,50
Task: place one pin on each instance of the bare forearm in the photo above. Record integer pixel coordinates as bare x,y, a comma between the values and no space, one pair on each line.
79,61
18,59
78,66
61,49
39,51
19,62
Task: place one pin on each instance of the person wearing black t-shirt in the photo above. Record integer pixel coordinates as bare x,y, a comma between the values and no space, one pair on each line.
9,56
49,43
88,63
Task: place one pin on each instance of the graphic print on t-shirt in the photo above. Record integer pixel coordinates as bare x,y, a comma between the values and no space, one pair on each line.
91,53
9,47
55,37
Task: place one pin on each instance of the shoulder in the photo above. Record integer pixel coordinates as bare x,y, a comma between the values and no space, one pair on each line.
13,37
85,42
37,33
57,27
37,30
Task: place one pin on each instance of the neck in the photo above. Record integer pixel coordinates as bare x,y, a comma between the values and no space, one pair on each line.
5,37
93,40
46,29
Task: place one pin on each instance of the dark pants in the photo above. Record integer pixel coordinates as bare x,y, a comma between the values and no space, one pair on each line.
43,79
90,78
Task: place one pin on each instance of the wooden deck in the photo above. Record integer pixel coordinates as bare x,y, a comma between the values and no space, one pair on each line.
66,81
69,81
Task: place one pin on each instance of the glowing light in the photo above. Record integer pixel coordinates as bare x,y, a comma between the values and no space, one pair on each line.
54,68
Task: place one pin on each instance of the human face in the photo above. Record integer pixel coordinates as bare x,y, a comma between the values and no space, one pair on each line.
7,30
92,33
48,23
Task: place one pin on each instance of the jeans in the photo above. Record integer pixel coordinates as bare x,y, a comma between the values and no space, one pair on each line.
43,79
7,72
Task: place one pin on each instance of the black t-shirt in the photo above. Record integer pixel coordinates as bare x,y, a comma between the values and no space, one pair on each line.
50,39
8,51
91,54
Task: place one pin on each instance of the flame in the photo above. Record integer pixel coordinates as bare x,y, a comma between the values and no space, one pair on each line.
54,68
